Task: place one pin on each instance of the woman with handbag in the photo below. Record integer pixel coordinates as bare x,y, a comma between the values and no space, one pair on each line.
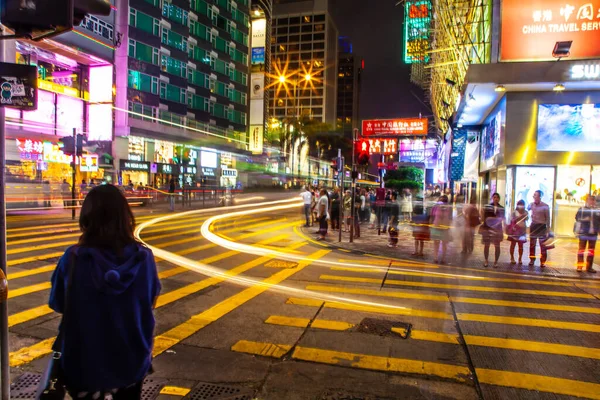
587,226
491,229
105,288
517,231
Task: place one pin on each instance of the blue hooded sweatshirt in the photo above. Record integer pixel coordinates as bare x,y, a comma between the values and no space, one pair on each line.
108,337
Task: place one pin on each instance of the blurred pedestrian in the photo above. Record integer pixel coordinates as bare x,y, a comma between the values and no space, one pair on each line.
472,221
517,231
406,205
47,190
335,209
441,221
347,210
539,229
386,210
65,190
373,211
357,204
313,206
363,206
394,220
307,199
172,194
491,229
322,214
105,287
421,232
587,226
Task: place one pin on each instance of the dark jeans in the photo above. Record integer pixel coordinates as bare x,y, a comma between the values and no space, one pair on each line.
133,392
323,225
393,231
591,248
335,218
486,251
307,213
356,225
543,250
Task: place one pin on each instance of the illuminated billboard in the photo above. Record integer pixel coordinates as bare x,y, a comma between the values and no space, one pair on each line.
417,27
395,127
383,146
568,127
530,29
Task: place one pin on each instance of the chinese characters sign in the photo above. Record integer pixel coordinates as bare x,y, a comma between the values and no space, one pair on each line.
383,146
530,29
395,127
417,24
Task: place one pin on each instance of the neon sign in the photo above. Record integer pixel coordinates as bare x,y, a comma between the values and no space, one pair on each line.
580,71
30,146
417,25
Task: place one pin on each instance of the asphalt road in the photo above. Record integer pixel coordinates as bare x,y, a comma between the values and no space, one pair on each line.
251,307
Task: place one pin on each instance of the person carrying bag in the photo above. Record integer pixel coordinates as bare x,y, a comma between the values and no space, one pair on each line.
105,287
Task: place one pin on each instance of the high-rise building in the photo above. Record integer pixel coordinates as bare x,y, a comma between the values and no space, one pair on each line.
182,76
304,60
349,71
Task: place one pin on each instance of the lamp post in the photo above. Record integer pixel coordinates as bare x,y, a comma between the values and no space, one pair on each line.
283,80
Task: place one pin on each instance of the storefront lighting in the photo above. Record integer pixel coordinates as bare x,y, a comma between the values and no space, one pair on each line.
559,87
459,125
256,12
471,100
562,49
500,88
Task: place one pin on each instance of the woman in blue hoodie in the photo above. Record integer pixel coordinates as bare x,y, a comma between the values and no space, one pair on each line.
108,334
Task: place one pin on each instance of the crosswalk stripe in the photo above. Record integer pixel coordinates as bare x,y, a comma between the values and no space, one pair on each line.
450,276
540,383
26,355
183,331
28,315
40,247
42,239
30,272
196,229
444,299
495,319
458,287
26,260
303,323
261,349
22,291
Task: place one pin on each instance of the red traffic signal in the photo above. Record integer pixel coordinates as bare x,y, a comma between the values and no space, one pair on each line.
364,148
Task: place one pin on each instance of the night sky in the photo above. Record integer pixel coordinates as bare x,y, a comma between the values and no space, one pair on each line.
375,29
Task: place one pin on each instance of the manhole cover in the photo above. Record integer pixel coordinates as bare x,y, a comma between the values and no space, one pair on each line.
281,264
219,392
383,327
25,386
151,388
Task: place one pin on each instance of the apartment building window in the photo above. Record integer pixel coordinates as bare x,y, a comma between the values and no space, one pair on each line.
98,26
143,82
155,3
173,93
143,21
143,52
174,39
294,20
173,66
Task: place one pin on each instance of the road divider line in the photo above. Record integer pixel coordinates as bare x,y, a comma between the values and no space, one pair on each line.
30,272
539,383
261,349
458,287
183,331
444,299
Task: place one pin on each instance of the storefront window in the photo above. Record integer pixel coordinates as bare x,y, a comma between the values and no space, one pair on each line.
572,188
136,148
163,152
530,179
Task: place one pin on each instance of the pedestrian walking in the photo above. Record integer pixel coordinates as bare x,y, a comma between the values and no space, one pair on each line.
357,205
172,194
441,221
65,190
386,210
307,199
363,206
394,220
406,205
421,232
517,231
472,221
323,214
47,190
587,226
539,229
347,211
313,206
105,288
491,229
335,209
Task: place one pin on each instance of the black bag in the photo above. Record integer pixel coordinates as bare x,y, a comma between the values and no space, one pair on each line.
52,384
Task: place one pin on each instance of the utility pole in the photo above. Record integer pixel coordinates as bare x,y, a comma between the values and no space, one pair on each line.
74,173
4,369
341,173
353,186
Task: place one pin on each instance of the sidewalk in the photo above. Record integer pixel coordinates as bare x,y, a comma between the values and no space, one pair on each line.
561,260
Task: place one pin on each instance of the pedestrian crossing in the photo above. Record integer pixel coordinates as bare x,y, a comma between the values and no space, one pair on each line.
486,328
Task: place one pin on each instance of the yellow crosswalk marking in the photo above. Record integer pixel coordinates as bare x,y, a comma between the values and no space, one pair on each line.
195,230
261,349
194,324
433,336
30,272
378,363
12,293
444,299
43,239
458,287
303,323
541,323
540,383
40,247
26,260
28,315
26,355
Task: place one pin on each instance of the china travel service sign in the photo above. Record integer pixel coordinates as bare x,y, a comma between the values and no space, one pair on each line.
395,127
530,29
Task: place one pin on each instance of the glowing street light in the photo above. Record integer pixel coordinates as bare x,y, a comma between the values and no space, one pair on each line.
282,79
307,77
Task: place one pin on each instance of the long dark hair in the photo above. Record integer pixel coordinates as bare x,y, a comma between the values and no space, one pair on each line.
106,221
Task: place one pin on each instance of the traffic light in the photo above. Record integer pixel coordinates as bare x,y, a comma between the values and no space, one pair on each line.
334,164
363,152
38,19
68,147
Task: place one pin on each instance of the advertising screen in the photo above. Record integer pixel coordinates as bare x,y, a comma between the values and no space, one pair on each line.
419,151
530,179
45,112
530,29
490,137
417,25
208,159
69,115
568,127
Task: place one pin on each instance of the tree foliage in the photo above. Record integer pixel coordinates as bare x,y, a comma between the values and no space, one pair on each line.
405,178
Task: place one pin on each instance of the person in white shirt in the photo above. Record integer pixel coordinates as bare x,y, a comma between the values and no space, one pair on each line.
323,214
307,198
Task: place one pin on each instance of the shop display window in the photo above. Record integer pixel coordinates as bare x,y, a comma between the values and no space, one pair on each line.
530,179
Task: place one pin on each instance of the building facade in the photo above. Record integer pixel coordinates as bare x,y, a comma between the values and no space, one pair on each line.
304,52
182,79
349,71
